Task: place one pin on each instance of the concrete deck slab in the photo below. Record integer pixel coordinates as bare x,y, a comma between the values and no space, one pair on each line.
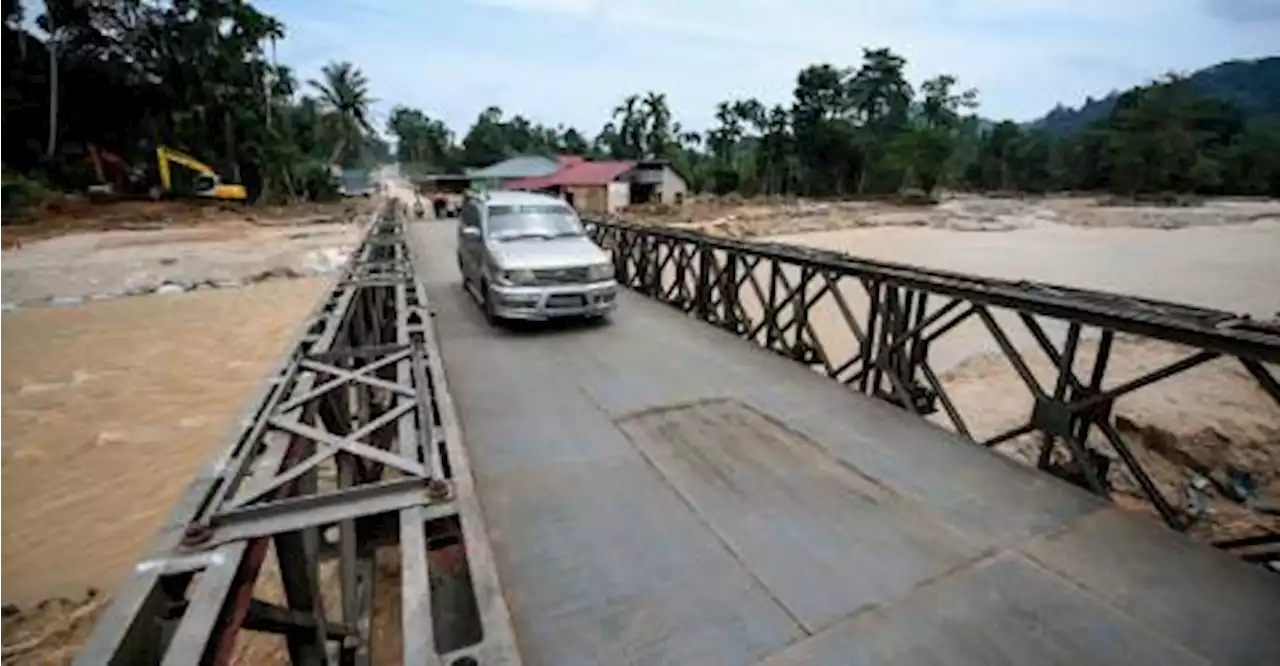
1003,611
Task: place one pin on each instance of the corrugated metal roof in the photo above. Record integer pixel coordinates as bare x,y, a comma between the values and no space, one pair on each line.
520,166
581,173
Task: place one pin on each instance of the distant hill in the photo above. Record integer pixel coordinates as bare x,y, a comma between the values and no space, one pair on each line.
1252,86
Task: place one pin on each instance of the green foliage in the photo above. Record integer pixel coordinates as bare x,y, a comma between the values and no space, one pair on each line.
315,182
19,193
1251,86
421,140
344,105
865,131
1159,138
194,75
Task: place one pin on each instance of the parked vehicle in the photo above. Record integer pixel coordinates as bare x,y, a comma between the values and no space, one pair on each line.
526,256
356,184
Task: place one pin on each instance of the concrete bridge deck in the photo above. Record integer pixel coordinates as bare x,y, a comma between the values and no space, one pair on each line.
659,491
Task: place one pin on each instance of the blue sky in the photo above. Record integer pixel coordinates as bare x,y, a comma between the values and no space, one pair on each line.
572,60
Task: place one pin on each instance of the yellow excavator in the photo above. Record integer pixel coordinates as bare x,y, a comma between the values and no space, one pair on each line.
118,179
207,183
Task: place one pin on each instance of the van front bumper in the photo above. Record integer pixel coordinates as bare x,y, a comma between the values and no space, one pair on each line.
548,302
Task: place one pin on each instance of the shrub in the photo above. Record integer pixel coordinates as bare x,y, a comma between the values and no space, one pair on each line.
19,194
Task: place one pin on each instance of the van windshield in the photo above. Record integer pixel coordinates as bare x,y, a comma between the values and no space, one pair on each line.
535,221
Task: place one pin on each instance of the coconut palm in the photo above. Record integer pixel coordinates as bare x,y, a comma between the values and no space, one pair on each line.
344,96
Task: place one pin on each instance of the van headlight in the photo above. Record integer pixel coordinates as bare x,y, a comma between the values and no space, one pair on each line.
519,276
599,272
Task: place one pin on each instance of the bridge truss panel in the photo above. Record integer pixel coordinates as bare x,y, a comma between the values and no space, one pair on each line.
874,326
350,450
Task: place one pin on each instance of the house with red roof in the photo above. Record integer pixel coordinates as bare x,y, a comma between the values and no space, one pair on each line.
590,186
606,186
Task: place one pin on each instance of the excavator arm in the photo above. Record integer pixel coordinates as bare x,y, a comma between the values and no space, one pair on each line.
216,189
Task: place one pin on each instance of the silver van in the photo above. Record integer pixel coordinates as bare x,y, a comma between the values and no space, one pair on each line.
526,256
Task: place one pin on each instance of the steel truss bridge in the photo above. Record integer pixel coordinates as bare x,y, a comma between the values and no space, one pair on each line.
350,445
611,549
768,293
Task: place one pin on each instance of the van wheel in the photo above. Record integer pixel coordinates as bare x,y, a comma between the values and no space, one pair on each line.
486,303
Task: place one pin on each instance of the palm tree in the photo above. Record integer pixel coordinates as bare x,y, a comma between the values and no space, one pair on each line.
344,95
657,117
878,91
630,126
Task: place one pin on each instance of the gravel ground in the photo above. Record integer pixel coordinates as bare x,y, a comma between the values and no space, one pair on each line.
737,218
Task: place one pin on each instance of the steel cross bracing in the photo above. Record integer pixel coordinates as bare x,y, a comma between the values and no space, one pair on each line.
352,446
771,293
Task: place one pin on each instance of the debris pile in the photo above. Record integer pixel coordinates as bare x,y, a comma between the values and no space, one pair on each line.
1209,438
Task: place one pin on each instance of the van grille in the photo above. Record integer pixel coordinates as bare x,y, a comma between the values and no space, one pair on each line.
552,276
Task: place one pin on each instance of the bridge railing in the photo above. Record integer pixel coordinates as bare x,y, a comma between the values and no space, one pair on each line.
903,334
350,448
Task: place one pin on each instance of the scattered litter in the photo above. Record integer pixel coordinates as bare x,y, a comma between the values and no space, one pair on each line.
274,272
323,261
170,288
1196,503
1240,485
141,283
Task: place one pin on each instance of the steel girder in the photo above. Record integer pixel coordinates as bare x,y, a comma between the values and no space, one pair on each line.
350,446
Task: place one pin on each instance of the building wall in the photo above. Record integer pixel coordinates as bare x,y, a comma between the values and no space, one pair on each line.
619,196
600,199
672,187
668,185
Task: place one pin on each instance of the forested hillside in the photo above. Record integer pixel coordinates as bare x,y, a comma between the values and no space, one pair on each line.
197,76
1251,86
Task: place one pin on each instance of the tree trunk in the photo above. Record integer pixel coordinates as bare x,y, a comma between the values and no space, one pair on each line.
337,150
52,45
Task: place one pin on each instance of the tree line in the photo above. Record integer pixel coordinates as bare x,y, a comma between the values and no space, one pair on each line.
196,75
866,130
